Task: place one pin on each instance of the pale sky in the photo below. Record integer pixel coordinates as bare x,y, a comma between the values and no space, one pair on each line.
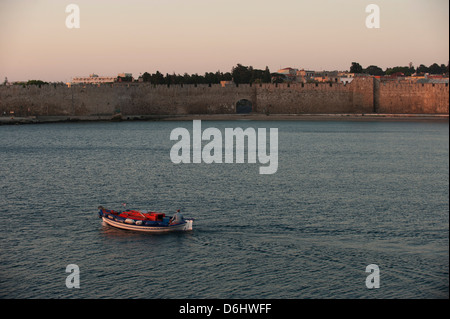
198,36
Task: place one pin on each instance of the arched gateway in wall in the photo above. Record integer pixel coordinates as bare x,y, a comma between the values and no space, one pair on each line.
244,106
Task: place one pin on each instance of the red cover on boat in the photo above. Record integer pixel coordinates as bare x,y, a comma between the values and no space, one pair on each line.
134,214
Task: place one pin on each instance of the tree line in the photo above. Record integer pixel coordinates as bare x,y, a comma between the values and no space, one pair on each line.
406,70
239,74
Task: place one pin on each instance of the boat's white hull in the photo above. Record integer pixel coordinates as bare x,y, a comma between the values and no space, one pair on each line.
181,227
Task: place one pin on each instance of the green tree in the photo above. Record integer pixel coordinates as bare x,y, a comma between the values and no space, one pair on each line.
241,74
36,82
406,70
157,78
412,70
211,78
146,77
227,77
436,69
267,78
247,74
374,70
422,69
356,68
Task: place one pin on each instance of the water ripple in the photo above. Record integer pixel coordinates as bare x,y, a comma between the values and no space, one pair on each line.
346,195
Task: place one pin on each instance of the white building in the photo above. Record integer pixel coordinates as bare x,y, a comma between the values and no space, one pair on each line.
288,71
93,79
289,74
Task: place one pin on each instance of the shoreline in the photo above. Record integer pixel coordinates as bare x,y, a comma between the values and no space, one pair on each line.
225,117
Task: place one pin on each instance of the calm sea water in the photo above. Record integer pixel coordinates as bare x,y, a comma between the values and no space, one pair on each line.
346,195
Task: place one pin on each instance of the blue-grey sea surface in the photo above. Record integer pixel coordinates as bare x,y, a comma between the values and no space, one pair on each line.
346,195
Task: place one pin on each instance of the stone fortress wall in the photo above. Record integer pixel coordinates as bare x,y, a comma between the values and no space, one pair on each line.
362,95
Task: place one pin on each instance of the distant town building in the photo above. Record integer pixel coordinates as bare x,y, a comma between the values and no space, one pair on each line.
428,78
288,71
327,76
304,76
345,77
125,75
93,79
288,74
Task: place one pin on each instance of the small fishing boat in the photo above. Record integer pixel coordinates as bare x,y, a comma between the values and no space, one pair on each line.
142,220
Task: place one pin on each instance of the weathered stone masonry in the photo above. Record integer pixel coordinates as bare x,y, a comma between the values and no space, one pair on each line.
363,95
